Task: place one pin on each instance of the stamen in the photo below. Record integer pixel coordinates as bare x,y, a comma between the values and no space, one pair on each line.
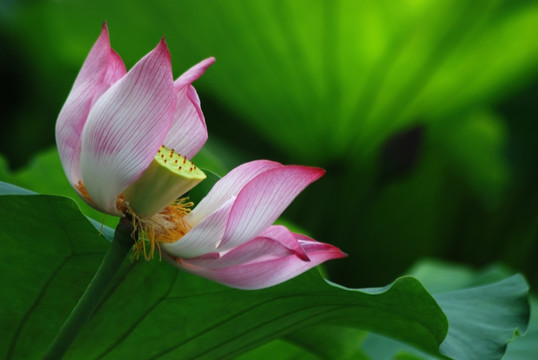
167,226
120,204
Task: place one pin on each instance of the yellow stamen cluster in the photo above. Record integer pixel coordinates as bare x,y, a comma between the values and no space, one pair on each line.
167,226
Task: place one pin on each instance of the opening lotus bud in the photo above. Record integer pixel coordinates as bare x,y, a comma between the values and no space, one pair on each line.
169,176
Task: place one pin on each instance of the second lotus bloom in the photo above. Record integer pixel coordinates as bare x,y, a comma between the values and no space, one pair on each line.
126,139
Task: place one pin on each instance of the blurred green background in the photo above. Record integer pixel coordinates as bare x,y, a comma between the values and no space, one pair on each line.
424,113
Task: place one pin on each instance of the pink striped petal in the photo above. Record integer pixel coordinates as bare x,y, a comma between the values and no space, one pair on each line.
262,201
195,72
228,187
286,238
259,263
189,132
204,237
102,68
126,127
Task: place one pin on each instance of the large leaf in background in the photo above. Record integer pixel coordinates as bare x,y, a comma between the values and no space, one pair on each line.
444,201
526,348
278,349
439,278
320,342
474,147
329,341
319,79
161,312
482,310
446,281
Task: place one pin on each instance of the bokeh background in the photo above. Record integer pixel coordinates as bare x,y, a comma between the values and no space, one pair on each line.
424,113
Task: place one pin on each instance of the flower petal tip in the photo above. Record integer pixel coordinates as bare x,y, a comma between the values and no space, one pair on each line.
313,173
205,64
333,251
339,254
209,61
191,75
104,36
318,172
162,49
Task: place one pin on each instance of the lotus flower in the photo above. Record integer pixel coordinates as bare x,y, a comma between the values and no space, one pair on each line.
114,125
125,140
231,238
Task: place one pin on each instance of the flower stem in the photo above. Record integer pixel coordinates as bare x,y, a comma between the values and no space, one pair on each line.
95,291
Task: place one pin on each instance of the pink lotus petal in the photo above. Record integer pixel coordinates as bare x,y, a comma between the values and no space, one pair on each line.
263,199
189,132
286,238
195,72
228,187
102,68
204,237
259,263
126,127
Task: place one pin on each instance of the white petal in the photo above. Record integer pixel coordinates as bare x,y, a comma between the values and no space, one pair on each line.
204,237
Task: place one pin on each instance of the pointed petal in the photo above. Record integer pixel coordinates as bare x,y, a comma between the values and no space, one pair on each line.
102,68
262,201
204,237
126,127
228,187
195,72
189,132
259,263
